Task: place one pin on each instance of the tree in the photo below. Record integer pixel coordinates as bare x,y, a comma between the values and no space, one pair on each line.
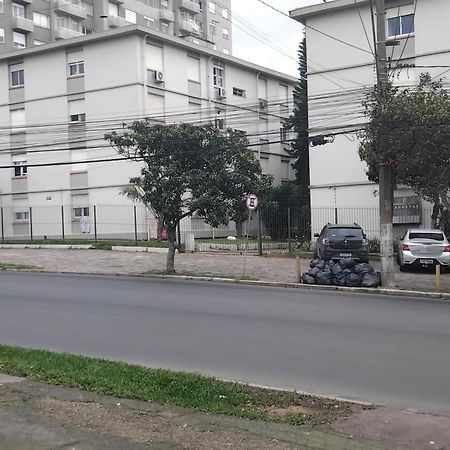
190,169
299,123
415,124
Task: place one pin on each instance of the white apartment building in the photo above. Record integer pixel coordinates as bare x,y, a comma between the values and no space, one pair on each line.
341,70
58,100
27,23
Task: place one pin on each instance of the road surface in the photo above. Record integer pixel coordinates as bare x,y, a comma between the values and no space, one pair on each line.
394,351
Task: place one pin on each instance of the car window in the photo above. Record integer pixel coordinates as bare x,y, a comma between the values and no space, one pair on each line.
421,235
345,233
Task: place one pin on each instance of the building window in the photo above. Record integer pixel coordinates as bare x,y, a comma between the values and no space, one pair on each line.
219,123
78,118
284,169
2,35
212,7
17,117
401,25
151,3
164,27
283,134
38,42
88,6
226,51
76,68
149,22
212,27
85,30
239,92
41,20
225,13
20,168
22,216
16,72
19,40
18,10
113,9
264,145
130,16
164,4
200,4
80,212
218,73
2,6
69,23
226,33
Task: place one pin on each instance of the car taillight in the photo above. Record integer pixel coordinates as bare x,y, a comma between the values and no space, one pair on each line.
325,241
405,247
447,249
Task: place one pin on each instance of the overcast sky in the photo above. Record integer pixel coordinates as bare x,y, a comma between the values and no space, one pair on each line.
266,37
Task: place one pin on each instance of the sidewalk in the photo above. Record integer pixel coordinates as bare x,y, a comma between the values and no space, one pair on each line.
278,269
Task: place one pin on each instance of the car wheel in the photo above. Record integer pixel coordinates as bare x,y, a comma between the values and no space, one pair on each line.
402,268
397,258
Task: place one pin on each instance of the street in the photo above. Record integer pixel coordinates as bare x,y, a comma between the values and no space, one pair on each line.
388,350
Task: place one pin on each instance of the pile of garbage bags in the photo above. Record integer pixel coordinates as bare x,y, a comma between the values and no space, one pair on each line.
346,272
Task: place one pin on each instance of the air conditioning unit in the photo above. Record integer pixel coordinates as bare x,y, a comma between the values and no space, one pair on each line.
262,103
220,92
158,76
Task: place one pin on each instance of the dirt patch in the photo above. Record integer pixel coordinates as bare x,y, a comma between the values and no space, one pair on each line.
295,409
9,396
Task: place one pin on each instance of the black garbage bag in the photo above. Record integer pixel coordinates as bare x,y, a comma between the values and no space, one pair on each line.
321,264
371,280
347,263
314,271
347,271
314,262
353,280
324,277
308,279
339,279
336,270
363,268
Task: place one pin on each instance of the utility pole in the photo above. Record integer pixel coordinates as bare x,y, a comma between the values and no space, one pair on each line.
386,193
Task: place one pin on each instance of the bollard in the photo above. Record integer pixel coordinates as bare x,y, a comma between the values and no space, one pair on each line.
299,269
438,276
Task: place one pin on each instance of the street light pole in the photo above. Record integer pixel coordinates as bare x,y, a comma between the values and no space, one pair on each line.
386,194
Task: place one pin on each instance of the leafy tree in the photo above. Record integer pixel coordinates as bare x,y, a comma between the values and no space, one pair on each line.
299,123
190,169
414,124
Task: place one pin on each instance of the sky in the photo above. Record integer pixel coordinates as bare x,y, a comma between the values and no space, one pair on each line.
277,37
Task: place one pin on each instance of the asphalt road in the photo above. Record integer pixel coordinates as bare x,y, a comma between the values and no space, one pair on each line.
394,351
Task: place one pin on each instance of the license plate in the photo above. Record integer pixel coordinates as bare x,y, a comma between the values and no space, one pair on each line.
345,255
426,261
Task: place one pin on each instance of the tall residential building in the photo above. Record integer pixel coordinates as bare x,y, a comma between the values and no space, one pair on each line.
27,23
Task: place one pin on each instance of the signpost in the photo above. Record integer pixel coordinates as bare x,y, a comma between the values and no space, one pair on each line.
251,203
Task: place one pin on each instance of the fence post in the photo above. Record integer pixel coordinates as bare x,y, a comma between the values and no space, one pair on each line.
260,249
62,222
289,229
3,226
31,224
336,215
95,223
135,226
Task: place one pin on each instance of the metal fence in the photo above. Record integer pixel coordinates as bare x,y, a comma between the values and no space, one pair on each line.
281,229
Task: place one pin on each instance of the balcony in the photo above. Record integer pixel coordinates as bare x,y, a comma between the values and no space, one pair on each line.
189,5
70,9
166,16
186,27
65,33
22,24
116,22
24,2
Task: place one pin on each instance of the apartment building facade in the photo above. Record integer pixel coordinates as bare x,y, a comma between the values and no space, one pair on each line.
57,101
27,23
341,70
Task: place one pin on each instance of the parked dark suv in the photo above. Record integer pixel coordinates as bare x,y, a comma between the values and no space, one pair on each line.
342,241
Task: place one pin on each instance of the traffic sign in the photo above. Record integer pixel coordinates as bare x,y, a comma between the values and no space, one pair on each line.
252,202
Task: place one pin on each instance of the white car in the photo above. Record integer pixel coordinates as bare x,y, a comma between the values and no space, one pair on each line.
423,248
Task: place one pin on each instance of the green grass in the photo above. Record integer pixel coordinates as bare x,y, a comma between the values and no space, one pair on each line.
100,244
177,388
11,266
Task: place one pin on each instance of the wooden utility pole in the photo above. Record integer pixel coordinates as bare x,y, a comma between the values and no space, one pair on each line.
386,192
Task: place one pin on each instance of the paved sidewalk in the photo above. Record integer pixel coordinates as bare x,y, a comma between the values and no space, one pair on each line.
279,269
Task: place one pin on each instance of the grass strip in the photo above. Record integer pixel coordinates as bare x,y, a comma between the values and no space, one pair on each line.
191,390
11,266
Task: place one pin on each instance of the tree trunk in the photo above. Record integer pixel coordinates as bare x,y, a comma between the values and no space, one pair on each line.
446,201
171,236
159,230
